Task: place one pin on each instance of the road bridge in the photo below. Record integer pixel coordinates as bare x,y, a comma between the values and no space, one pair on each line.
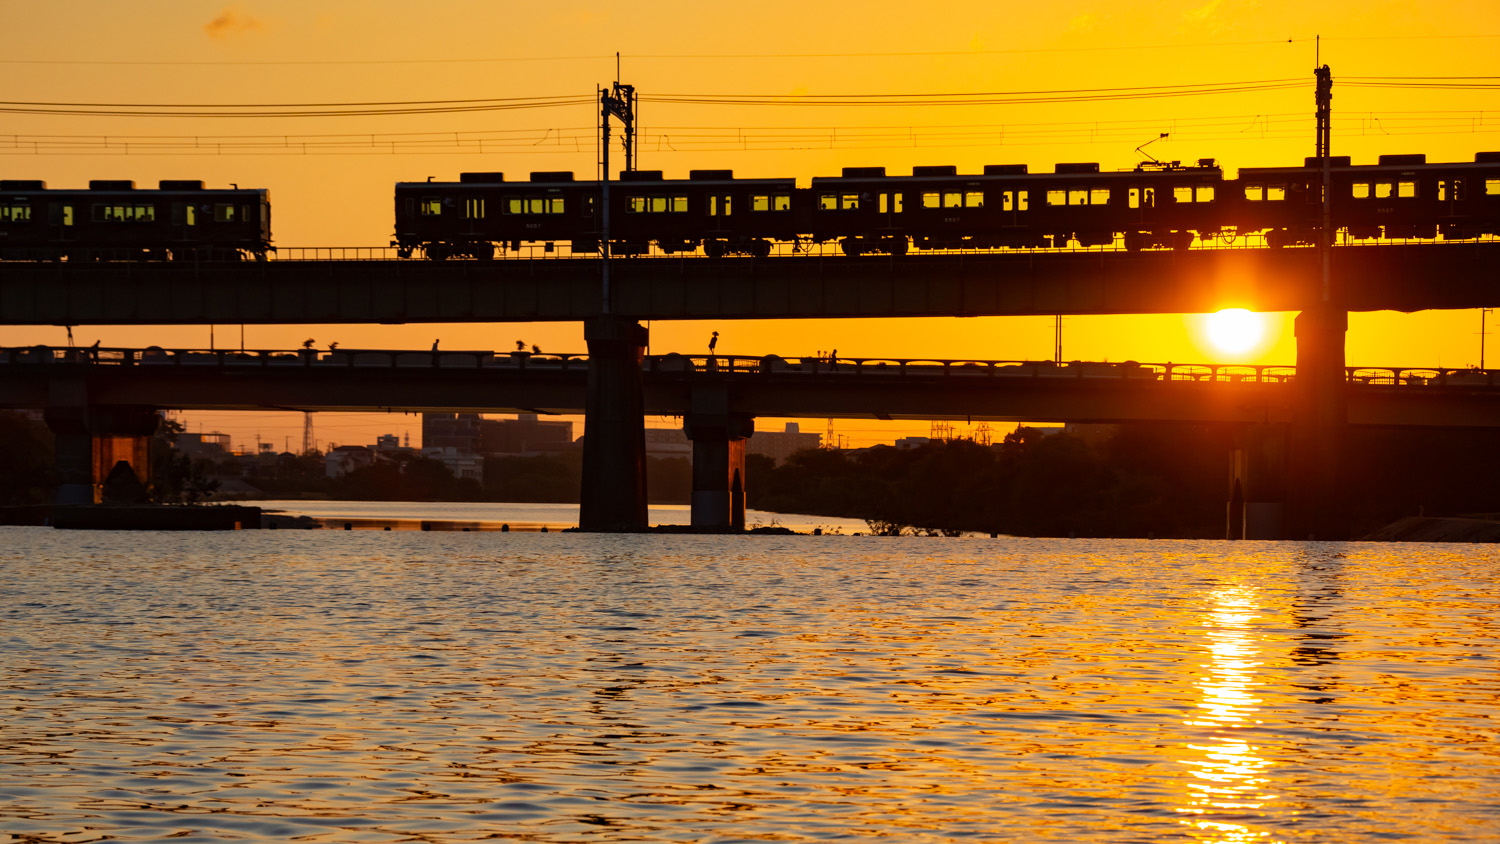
1395,276
95,393
358,380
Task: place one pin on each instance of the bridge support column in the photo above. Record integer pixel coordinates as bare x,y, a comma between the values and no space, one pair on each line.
1257,483
613,497
1317,507
718,458
89,442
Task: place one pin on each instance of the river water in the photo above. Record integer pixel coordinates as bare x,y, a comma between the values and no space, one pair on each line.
369,686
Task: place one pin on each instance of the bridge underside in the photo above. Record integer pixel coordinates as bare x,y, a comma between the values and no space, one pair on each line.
1388,277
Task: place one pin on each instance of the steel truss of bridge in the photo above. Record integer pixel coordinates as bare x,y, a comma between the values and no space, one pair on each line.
1405,277
767,386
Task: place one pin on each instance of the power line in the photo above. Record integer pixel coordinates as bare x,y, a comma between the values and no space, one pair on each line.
348,109
972,99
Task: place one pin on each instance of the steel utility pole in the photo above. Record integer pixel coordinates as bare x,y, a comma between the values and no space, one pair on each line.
618,101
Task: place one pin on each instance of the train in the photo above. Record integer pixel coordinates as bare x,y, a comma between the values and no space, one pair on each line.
867,211
113,220
864,211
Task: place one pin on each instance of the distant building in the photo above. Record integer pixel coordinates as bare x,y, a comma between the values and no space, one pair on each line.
461,465
458,431
211,446
524,435
908,443
344,459
779,445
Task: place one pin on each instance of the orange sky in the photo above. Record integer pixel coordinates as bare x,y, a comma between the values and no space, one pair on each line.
274,51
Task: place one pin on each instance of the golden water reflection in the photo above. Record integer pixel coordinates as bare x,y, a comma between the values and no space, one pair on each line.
1228,774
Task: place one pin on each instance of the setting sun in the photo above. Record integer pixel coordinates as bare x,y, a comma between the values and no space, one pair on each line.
1235,330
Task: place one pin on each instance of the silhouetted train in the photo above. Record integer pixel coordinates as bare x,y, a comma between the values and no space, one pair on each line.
1158,204
112,220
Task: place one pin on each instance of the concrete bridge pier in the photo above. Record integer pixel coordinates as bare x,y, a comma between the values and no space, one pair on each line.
718,458
613,497
1318,439
1257,483
88,442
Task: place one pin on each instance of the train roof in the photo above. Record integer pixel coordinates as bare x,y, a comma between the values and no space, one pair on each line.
99,187
1384,164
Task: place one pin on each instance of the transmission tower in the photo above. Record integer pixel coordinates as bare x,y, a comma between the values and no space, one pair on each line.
307,431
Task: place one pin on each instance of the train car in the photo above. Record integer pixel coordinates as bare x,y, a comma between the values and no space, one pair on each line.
113,220
1007,207
711,210
481,212
1401,196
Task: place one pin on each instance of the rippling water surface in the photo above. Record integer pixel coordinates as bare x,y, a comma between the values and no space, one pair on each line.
372,687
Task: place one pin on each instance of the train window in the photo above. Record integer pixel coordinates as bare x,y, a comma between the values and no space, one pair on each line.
432,206
1182,193
1255,193
1491,187
774,202
1078,196
1361,190
1406,190
474,209
1275,193
932,200
1099,196
184,214
1383,190
15,213
1022,202
885,203
223,213
953,200
67,214
635,204
1205,193
828,202
849,202
974,199
1057,197
680,205
1007,201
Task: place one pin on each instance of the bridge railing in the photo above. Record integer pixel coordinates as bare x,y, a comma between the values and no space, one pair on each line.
738,366
361,359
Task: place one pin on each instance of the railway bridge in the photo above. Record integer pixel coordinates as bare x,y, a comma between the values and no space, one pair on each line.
612,297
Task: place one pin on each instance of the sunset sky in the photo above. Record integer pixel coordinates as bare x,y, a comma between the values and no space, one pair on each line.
330,177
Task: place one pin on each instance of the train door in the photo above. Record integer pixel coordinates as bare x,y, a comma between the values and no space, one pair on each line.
720,208
474,215
890,207
1450,196
61,216
1141,201
1013,206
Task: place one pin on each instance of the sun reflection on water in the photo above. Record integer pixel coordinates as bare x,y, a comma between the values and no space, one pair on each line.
1228,774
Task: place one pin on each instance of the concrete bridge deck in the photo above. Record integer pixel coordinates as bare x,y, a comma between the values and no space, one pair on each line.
1405,277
